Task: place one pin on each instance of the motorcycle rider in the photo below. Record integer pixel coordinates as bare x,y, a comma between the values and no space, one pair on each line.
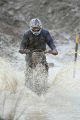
36,38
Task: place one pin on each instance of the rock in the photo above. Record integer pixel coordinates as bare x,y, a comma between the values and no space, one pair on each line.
50,10
11,12
44,2
2,2
19,17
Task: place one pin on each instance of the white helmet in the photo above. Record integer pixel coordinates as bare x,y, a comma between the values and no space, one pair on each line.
35,26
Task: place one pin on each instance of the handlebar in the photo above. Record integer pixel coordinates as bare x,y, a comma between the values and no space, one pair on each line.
27,51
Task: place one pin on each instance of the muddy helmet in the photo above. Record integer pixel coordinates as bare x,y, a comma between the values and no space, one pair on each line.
35,26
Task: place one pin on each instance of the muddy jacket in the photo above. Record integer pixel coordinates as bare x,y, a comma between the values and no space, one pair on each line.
32,42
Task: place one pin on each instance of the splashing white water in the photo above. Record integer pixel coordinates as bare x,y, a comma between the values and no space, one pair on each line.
61,102
9,76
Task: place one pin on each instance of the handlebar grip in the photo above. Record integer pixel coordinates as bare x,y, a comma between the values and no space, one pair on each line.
21,51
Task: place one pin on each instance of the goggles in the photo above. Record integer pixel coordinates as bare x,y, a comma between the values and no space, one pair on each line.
35,29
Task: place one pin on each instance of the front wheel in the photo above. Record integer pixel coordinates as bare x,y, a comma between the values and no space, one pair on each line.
37,73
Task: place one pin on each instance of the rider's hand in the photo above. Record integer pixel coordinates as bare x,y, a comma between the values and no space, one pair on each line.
54,52
21,51
24,51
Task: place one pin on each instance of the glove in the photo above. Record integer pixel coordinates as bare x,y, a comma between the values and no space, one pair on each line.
54,52
21,51
24,51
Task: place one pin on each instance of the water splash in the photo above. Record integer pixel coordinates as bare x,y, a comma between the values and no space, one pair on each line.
36,79
7,76
61,102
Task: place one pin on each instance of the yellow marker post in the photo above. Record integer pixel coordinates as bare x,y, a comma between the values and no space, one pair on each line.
76,50
76,47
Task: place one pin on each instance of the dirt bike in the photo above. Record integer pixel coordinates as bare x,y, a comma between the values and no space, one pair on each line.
36,73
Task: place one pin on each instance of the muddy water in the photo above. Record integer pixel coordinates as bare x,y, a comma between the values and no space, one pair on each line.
61,102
